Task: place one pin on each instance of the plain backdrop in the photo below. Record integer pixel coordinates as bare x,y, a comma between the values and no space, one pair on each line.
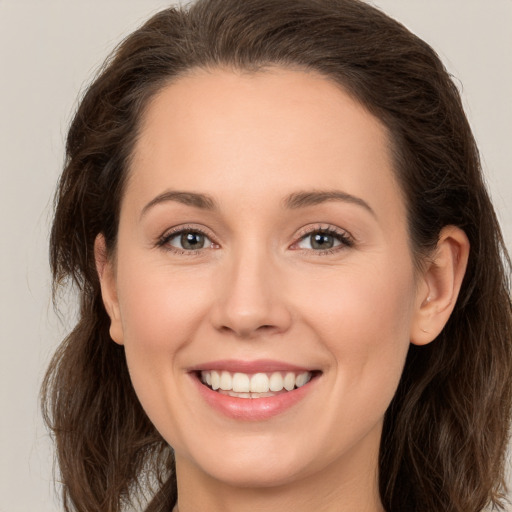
49,50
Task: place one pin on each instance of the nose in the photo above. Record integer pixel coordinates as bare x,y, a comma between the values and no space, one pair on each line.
251,297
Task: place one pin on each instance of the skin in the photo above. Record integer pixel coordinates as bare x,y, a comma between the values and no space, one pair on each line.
259,290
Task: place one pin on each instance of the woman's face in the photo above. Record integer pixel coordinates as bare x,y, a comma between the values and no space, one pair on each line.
263,242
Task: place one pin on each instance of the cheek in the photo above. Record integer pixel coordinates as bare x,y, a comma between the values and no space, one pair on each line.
160,308
350,302
363,318
160,311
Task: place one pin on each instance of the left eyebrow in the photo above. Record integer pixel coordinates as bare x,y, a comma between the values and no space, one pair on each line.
311,198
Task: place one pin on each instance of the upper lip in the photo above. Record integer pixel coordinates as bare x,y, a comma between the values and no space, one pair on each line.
256,366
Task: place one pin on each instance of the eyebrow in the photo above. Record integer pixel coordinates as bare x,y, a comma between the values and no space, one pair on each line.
292,202
202,201
306,198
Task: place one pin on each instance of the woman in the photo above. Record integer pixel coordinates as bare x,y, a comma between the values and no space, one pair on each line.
289,269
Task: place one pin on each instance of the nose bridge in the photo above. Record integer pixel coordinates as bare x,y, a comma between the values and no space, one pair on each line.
250,298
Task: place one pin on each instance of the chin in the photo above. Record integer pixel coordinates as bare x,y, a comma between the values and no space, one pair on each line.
256,474
263,463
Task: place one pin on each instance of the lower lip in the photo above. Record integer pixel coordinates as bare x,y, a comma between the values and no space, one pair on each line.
252,409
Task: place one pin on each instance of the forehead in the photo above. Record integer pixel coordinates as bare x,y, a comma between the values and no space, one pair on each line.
256,134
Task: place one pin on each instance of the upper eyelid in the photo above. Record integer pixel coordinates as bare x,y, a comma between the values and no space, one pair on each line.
171,232
325,228
301,234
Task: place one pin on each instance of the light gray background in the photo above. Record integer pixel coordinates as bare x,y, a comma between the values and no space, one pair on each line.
49,50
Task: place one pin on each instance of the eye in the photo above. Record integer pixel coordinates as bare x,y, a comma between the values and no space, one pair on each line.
324,239
186,240
189,241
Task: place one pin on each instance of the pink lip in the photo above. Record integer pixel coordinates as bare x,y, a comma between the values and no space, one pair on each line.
257,366
252,409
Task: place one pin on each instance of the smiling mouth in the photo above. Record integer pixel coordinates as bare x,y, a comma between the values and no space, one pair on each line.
257,385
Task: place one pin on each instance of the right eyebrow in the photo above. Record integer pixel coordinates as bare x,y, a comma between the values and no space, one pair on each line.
202,201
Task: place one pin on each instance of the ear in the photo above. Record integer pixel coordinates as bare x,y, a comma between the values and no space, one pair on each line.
106,275
439,285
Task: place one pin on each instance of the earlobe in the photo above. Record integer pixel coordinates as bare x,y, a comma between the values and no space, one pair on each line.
440,285
106,275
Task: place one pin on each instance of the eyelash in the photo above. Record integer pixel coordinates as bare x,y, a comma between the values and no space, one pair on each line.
164,240
346,241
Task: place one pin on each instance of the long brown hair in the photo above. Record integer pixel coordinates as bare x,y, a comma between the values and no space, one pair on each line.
446,430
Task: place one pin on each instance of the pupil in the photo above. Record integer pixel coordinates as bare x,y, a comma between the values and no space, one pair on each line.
322,241
192,241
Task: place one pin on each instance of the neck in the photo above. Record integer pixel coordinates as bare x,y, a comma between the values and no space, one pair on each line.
340,487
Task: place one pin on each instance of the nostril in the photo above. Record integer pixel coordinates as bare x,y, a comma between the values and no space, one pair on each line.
249,332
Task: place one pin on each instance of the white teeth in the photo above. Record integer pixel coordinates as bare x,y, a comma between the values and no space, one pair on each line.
239,395
276,382
302,379
241,383
246,395
226,382
261,384
215,380
289,381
